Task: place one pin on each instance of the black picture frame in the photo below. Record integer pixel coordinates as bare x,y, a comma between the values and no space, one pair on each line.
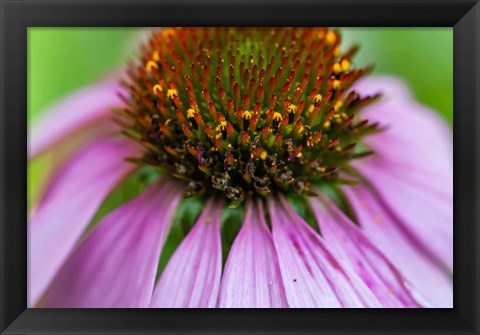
17,16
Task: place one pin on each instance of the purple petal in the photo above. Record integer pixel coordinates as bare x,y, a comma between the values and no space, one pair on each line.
192,275
426,216
69,204
347,241
82,110
401,247
252,277
312,276
418,143
115,266
413,168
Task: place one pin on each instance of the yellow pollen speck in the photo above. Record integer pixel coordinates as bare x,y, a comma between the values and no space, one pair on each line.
221,126
331,38
322,169
299,155
339,148
345,65
247,115
151,66
291,109
337,68
310,109
190,113
336,84
338,105
157,89
155,55
277,116
377,218
326,124
171,93
301,129
263,155
317,99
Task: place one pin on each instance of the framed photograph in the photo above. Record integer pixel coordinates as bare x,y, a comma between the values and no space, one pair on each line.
240,167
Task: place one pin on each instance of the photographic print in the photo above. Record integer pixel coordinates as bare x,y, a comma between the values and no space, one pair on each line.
235,167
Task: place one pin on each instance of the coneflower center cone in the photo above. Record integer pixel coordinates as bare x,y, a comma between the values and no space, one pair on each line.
247,111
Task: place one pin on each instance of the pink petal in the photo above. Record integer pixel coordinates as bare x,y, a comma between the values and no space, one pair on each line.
402,248
83,110
413,168
312,276
347,241
418,143
425,215
192,275
115,266
69,204
252,277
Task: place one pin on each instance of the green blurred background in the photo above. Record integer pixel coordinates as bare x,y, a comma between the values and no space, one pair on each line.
61,60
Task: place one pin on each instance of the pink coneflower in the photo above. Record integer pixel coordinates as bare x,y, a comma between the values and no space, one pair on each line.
344,182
